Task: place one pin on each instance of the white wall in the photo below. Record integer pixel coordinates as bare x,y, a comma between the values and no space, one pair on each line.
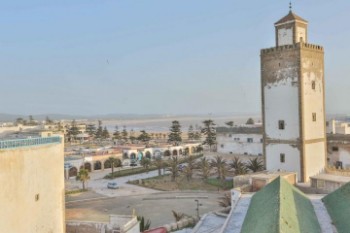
281,103
292,158
315,159
228,145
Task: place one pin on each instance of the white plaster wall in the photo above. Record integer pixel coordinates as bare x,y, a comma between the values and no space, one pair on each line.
313,103
344,156
281,103
315,159
25,172
285,36
241,146
292,158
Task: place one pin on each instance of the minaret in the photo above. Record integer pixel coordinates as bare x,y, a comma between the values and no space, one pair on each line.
293,106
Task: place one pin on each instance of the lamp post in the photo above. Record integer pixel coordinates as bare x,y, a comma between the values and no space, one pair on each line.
197,207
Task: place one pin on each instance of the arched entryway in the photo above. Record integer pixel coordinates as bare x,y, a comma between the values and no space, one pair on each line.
87,166
167,153
125,155
97,165
175,153
180,152
107,164
73,171
132,156
148,155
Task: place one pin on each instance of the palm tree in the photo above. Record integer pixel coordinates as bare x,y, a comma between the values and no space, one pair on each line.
159,163
177,215
115,162
188,171
83,176
220,164
145,162
144,224
204,166
238,166
225,201
173,167
255,165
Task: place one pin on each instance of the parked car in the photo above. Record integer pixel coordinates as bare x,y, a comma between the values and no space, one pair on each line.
133,163
112,185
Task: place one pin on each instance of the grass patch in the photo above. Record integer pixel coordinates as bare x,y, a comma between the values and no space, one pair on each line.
75,191
226,184
138,170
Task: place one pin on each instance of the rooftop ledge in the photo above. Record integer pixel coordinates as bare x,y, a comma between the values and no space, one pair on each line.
293,46
17,143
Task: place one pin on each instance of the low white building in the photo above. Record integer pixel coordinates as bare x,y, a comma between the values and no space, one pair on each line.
338,127
240,140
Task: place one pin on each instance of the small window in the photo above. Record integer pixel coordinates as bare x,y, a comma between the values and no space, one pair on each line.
222,145
250,140
261,140
36,197
281,124
314,116
282,158
230,135
313,85
335,148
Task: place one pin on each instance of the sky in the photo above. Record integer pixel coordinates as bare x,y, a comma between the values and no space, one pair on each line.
92,57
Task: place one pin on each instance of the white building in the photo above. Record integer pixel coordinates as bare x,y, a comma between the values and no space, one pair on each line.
292,84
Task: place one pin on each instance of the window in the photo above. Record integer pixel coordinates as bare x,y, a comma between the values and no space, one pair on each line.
314,116
36,197
250,140
281,124
282,158
230,135
261,140
313,85
222,145
236,139
335,148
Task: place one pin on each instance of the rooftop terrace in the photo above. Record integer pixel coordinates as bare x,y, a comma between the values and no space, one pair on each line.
28,142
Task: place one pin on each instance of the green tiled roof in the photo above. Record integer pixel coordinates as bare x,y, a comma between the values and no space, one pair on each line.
280,207
338,207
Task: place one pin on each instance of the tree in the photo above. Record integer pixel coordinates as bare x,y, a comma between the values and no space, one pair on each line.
225,201
115,162
31,120
99,130
190,133
174,136
159,163
238,166
83,176
210,133
105,133
144,137
177,215
91,130
255,165
188,170
230,123
250,121
173,168
197,135
145,162
132,137
220,164
116,134
204,166
20,120
144,225
48,120
73,130
124,134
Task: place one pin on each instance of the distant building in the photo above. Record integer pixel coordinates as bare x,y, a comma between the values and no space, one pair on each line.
293,106
32,193
338,127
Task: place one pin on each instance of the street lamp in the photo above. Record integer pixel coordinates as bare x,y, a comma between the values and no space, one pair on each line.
197,207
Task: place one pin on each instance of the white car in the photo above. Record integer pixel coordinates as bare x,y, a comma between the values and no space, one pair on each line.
112,185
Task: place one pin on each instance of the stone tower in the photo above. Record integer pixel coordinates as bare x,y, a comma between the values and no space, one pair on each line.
293,106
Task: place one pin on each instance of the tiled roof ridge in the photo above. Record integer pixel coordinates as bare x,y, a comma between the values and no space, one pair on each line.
290,17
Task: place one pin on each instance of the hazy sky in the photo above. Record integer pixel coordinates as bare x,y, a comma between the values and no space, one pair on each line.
155,56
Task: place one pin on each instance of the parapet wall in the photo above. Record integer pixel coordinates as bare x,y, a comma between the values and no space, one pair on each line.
292,47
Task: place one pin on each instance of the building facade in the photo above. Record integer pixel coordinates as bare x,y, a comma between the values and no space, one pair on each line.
293,106
32,180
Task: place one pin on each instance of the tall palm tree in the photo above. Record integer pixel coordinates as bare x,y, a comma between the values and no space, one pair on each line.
220,164
255,165
83,176
159,163
238,166
204,166
173,164
115,162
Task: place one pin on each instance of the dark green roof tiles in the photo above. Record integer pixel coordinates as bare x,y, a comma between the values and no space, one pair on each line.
280,208
338,207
